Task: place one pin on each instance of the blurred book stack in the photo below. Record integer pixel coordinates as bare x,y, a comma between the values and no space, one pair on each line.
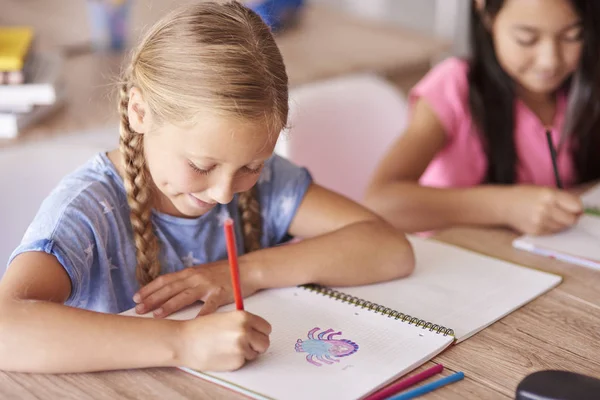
31,85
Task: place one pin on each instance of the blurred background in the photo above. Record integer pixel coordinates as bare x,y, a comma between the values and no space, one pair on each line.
447,19
72,62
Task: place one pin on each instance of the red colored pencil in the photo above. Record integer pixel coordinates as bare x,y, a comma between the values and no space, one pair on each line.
405,383
233,264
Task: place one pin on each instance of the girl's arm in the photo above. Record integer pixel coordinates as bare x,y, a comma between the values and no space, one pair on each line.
39,334
395,192
345,244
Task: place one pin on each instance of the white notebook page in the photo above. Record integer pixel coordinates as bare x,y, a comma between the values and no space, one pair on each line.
387,348
580,244
459,289
591,198
582,241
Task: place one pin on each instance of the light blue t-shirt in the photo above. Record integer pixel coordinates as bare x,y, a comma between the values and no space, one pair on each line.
85,224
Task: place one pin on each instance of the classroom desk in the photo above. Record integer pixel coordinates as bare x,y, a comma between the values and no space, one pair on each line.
559,330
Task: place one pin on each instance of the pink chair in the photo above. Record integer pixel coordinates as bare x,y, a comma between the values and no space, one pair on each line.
341,128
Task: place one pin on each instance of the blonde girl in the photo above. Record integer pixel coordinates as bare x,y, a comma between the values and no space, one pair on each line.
202,104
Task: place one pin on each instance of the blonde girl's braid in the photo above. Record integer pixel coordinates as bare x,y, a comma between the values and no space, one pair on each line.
138,187
251,219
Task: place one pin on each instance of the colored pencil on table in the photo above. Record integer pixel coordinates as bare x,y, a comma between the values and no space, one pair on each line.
406,383
429,387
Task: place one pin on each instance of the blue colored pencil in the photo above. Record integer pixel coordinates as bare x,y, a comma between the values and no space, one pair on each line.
429,387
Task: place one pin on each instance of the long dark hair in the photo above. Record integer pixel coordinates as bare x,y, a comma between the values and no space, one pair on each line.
491,97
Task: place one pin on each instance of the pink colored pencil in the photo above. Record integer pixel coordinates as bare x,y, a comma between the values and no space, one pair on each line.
405,383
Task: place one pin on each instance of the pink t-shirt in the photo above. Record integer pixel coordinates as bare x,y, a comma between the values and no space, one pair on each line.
462,162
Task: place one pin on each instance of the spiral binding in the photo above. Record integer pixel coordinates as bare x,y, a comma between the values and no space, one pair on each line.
358,302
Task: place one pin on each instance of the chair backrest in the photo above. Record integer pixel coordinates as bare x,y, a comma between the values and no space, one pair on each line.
27,175
341,128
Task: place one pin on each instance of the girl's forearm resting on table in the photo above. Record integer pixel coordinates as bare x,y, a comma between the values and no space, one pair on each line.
44,337
413,208
360,253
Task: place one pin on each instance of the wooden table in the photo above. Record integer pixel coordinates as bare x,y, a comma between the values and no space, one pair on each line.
324,44
559,330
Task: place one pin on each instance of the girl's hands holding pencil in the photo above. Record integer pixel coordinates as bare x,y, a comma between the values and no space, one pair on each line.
223,341
210,283
538,210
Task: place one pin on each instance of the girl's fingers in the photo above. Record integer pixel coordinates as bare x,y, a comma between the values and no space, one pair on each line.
551,226
211,304
564,217
181,300
161,295
249,352
156,284
258,341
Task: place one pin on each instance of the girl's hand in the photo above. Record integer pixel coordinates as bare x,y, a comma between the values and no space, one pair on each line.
537,210
210,283
222,341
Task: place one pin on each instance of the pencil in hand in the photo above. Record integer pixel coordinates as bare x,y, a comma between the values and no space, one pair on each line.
553,156
233,264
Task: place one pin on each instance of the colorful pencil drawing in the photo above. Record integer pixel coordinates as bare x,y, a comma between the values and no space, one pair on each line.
322,348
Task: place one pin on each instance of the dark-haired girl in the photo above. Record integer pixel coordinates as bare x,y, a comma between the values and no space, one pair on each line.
476,150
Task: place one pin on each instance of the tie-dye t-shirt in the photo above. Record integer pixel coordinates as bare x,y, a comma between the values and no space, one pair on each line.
85,224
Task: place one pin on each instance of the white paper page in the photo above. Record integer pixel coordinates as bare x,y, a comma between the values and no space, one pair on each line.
579,244
591,198
387,348
582,241
459,289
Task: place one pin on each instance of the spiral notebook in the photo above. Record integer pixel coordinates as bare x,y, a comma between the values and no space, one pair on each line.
346,343
327,349
577,245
